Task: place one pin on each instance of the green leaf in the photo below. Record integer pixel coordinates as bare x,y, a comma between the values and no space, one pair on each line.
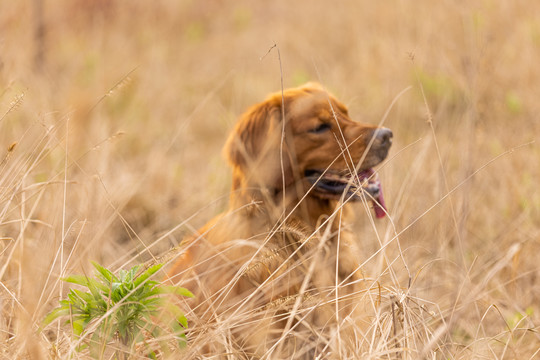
95,286
145,275
176,290
55,314
183,321
117,294
133,272
178,314
106,273
79,326
179,331
75,300
84,296
77,279
122,275
85,281
152,303
130,274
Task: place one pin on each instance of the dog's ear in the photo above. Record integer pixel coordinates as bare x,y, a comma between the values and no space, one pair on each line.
253,148
252,134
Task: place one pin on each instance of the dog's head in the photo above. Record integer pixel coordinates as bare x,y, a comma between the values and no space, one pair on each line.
318,146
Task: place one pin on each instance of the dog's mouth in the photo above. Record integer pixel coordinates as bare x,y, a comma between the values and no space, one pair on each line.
332,184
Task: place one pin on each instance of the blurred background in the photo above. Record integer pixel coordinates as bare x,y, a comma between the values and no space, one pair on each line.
113,114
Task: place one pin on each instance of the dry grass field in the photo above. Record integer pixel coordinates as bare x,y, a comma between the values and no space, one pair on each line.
113,115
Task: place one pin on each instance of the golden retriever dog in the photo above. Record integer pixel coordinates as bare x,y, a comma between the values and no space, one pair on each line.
277,274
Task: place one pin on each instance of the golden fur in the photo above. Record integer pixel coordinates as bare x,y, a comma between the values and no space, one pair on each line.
272,266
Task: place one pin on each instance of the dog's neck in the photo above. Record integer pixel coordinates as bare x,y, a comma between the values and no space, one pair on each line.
273,206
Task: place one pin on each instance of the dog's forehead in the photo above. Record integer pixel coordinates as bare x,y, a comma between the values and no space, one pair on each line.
315,104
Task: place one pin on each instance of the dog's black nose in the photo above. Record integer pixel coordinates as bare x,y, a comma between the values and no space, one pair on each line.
384,136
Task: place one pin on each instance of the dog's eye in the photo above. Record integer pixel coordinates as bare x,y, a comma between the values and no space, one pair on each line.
321,128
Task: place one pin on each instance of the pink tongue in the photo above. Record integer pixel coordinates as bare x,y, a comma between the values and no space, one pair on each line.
379,206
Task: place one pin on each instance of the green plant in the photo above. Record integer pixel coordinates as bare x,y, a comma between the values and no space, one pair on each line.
124,308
